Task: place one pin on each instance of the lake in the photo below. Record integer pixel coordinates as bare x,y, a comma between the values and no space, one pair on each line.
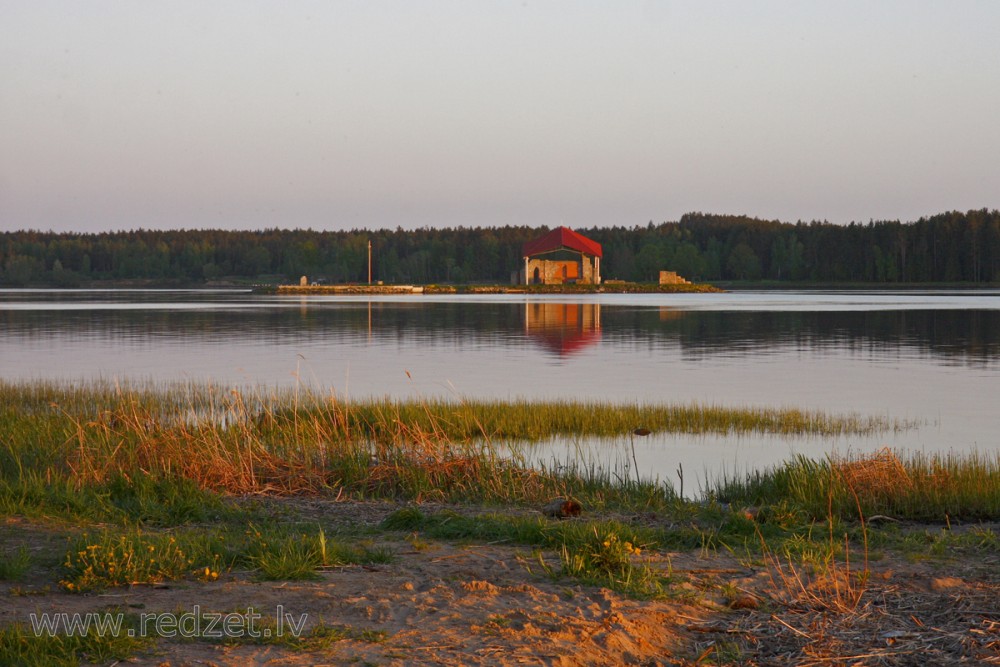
931,356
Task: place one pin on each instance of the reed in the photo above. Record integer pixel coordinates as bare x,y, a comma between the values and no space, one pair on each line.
537,420
917,487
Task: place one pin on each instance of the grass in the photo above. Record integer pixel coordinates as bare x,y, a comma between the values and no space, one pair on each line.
537,420
607,560
114,558
529,530
149,459
14,564
164,457
121,557
934,488
20,646
292,556
601,553
252,626
123,638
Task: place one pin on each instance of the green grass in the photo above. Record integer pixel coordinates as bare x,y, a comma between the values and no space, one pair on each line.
594,552
537,420
605,559
112,558
531,530
120,557
317,638
21,647
14,563
252,626
693,526
291,556
603,551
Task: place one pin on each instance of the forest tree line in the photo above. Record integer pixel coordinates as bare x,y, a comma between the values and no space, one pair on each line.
949,247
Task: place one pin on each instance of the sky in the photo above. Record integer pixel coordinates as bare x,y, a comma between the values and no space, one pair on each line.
239,114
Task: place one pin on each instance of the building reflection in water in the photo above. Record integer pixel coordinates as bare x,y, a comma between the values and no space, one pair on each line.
668,314
563,328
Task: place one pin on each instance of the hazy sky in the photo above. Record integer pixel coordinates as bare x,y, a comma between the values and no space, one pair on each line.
331,115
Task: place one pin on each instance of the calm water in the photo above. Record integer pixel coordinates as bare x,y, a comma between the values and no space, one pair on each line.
932,356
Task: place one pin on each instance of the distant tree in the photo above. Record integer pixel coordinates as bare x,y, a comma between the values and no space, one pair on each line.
743,263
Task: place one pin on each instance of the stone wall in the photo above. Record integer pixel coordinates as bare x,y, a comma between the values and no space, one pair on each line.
671,278
560,272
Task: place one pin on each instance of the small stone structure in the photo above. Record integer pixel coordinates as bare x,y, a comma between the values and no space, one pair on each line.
671,278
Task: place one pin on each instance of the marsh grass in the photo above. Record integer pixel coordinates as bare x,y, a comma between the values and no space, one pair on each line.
919,487
537,420
161,455
166,456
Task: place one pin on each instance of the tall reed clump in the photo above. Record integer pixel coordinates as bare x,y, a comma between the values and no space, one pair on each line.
918,487
244,442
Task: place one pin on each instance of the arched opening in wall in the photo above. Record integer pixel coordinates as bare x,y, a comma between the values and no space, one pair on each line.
536,278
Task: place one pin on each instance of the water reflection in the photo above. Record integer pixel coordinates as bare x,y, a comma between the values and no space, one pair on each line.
563,328
956,336
680,458
966,337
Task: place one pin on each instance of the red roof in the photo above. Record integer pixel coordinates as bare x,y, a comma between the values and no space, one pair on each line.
562,237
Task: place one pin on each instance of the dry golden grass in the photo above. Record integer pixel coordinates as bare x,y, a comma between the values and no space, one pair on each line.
877,476
292,451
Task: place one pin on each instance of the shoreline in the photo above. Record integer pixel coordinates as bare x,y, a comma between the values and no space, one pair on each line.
614,288
389,535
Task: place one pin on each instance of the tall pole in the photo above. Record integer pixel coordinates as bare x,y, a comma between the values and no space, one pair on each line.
369,262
